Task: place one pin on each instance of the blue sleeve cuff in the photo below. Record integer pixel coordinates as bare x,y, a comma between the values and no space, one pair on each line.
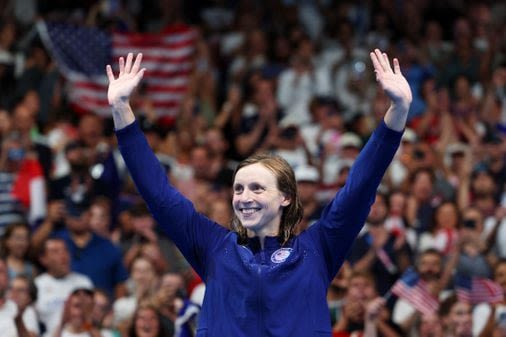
384,132
129,134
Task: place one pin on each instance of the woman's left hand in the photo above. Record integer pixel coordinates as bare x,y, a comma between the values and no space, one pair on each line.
391,80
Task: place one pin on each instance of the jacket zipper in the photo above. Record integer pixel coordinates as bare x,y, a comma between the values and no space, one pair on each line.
261,323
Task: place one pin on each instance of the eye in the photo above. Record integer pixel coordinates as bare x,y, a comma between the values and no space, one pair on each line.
238,189
257,188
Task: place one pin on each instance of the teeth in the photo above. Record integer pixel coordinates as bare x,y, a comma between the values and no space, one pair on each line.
249,210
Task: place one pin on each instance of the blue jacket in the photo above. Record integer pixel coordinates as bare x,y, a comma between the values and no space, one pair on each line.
277,291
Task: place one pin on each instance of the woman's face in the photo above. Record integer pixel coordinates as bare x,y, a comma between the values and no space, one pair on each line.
460,320
20,292
146,323
17,243
257,201
143,272
422,186
430,326
446,216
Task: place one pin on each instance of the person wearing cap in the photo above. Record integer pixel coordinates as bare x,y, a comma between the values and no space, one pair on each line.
262,279
308,179
348,147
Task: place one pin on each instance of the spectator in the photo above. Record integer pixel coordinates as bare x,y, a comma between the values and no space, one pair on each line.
489,316
456,317
361,310
22,184
378,251
442,235
258,124
308,179
92,255
145,234
146,322
429,325
56,284
337,292
14,321
102,316
300,83
76,318
14,248
23,292
142,285
429,265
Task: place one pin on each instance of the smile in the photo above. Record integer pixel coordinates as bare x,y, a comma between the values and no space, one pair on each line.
248,211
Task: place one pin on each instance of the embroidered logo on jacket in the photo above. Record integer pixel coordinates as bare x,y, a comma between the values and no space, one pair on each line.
281,255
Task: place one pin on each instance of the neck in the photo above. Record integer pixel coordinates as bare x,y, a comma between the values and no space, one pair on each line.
15,260
81,238
262,234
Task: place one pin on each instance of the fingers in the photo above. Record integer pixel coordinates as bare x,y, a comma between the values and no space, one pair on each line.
137,63
138,76
121,65
381,59
110,75
377,66
397,67
387,62
128,64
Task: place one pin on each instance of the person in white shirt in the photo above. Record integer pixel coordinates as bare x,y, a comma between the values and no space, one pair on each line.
23,293
56,284
12,324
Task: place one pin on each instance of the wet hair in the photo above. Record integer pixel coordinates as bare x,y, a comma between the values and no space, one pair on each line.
286,183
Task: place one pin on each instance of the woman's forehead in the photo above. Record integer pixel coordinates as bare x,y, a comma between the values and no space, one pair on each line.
255,173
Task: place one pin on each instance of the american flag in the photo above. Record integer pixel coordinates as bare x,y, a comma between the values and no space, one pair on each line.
477,290
414,290
81,53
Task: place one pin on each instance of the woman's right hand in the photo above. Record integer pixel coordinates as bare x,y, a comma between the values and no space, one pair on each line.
128,78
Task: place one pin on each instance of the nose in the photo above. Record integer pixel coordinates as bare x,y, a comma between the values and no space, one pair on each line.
245,196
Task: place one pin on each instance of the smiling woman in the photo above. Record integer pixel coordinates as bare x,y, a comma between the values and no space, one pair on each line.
261,279
265,199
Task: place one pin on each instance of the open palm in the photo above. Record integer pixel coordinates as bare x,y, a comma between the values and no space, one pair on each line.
392,81
129,76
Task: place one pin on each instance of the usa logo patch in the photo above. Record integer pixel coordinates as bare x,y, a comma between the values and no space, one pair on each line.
281,255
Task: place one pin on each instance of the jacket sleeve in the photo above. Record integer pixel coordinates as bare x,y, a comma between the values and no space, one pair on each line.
343,218
194,234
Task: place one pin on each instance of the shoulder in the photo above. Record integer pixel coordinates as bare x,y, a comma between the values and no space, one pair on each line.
79,280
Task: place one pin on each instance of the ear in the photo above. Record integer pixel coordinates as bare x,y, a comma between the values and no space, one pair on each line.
286,201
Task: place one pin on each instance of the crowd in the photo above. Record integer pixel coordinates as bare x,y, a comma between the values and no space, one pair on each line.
80,254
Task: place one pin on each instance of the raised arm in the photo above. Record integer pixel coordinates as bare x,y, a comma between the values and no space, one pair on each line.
193,234
343,218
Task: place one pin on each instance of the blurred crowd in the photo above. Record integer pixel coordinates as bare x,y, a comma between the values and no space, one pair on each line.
80,254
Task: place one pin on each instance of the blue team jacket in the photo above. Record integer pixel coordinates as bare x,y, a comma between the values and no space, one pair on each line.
277,291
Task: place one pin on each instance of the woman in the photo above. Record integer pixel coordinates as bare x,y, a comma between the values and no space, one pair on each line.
457,317
14,248
143,283
76,318
146,323
260,279
443,234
